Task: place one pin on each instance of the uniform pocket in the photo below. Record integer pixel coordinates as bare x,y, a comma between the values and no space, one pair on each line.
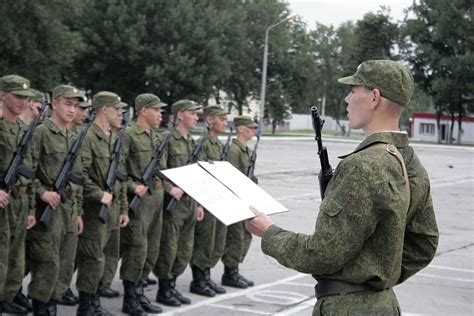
133,234
331,207
40,246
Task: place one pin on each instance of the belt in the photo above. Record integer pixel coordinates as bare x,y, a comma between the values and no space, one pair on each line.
336,287
69,194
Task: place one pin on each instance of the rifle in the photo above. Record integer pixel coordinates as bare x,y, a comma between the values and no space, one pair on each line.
113,173
325,174
253,157
149,174
194,158
66,175
16,165
225,152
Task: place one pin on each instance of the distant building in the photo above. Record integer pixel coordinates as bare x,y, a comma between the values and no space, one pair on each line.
422,127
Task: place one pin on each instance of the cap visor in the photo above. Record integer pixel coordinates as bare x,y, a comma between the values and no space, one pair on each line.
351,80
73,95
23,93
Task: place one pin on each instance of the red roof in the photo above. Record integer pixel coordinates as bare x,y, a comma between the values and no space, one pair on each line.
443,117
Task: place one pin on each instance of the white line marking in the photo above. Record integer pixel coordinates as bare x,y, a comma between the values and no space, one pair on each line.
239,309
444,278
452,269
296,309
300,284
290,197
232,295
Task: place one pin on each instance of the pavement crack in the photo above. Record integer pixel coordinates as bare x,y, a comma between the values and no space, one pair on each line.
453,250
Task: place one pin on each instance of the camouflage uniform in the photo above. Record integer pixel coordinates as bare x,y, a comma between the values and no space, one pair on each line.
382,244
52,250
210,233
238,238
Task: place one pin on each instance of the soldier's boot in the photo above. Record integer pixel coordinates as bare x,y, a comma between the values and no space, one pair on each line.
150,281
39,308
183,299
52,307
249,282
199,285
145,302
13,308
108,293
216,288
98,309
232,278
23,301
131,305
85,305
165,295
68,299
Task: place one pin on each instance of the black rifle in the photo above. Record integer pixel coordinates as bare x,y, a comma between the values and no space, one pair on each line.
150,172
253,157
225,152
193,159
113,173
16,165
66,174
326,172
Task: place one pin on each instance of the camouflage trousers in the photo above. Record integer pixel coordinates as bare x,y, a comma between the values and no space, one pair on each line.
52,252
12,246
237,245
382,303
209,242
140,240
176,246
112,257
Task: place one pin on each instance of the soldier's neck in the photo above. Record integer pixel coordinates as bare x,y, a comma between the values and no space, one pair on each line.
141,121
63,125
242,139
103,124
8,115
183,130
214,133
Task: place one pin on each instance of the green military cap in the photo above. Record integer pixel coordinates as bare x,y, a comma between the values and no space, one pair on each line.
148,100
244,121
184,105
84,104
392,79
16,85
67,91
38,96
214,110
107,98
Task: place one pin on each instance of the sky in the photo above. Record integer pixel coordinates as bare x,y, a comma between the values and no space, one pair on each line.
336,12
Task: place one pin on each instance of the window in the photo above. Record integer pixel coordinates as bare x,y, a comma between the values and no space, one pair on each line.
427,129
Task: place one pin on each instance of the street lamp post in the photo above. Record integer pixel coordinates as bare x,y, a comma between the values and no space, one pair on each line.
264,68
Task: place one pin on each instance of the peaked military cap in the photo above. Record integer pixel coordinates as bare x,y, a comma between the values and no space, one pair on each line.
244,121
214,110
392,79
84,104
16,85
67,91
107,98
38,96
148,100
184,105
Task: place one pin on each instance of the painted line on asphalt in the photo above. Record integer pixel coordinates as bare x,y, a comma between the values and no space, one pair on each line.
308,304
290,197
299,284
224,297
240,309
427,275
449,268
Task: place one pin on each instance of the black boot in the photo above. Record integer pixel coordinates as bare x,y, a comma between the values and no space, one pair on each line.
98,309
231,277
108,293
21,300
52,307
178,295
199,284
131,305
216,288
13,308
85,305
249,282
69,299
150,281
165,294
39,308
145,302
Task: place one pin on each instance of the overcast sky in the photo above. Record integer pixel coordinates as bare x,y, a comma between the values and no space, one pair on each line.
337,11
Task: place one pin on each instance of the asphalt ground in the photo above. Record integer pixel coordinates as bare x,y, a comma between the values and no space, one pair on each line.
287,169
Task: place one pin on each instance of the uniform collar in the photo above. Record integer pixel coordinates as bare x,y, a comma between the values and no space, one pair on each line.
177,135
98,131
398,139
241,146
48,122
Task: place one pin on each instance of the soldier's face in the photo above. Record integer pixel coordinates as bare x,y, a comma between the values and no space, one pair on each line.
358,107
35,108
13,103
219,123
153,116
81,115
114,116
247,132
188,118
65,108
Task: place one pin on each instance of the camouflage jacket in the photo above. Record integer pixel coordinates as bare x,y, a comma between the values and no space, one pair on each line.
239,156
364,233
10,137
49,149
211,150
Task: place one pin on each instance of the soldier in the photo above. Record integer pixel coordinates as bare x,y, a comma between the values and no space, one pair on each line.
238,239
96,153
51,271
143,233
178,224
81,114
33,109
378,201
210,233
14,93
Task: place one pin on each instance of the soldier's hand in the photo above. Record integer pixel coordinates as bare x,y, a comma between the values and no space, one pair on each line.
30,221
199,213
80,225
107,199
51,198
177,193
124,220
4,199
259,224
140,190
